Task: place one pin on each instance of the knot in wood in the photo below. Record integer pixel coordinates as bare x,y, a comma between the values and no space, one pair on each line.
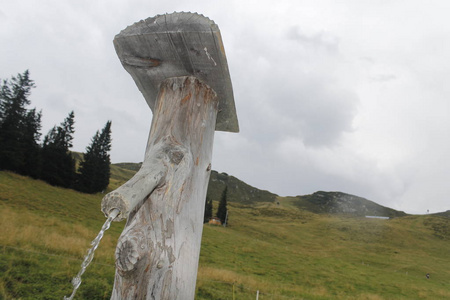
129,251
175,155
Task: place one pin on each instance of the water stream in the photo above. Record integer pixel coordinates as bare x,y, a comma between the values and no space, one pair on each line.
76,281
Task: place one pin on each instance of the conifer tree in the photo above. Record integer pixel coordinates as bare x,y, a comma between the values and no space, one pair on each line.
58,166
222,209
32,164
208,210
95,167
19,127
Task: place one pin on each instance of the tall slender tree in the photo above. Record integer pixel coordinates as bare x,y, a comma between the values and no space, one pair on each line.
95,167
208,210
222,209
19,127
58,166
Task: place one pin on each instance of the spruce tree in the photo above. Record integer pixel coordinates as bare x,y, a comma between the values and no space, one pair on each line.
32,164
222,209
95,167
19,127
58,166
208,210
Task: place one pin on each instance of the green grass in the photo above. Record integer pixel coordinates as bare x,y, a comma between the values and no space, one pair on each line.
282,251
45,233
319,257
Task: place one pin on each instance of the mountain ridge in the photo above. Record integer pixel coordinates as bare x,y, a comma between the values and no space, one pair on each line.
320,202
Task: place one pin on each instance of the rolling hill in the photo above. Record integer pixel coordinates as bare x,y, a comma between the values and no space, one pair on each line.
341,203
238,191
319,202
317,246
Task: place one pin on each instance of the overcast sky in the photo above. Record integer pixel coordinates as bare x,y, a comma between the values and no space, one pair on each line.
348,96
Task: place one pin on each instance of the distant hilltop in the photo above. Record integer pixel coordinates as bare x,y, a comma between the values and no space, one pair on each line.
443,214
341,203
319,202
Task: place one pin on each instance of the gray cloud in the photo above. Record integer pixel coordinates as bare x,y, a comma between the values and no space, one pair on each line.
311,114
288,87
317,41
383,77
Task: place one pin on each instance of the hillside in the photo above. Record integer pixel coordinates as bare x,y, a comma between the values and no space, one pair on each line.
443,214
238,191
282,250
341,203
319,202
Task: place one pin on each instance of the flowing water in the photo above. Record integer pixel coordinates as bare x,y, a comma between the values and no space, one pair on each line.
76,281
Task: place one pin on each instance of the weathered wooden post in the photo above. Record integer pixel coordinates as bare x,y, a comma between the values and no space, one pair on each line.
178,63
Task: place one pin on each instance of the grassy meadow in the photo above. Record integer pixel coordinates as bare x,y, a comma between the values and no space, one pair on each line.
282,251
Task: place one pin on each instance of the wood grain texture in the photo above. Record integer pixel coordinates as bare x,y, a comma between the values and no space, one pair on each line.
158,251
173,45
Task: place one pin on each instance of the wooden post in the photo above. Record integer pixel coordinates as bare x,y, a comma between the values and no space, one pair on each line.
157,253
180,58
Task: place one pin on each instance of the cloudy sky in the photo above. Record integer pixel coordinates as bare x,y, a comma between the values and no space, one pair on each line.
348,96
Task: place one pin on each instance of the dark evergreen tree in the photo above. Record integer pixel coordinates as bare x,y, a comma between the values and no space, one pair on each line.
208,210
58,166
222,209
32,164
95,167
19,127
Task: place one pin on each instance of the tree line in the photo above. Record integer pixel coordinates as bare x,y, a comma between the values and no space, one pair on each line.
50,160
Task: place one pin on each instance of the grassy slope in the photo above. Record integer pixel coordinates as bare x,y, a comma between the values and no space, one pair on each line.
283,251
45,233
